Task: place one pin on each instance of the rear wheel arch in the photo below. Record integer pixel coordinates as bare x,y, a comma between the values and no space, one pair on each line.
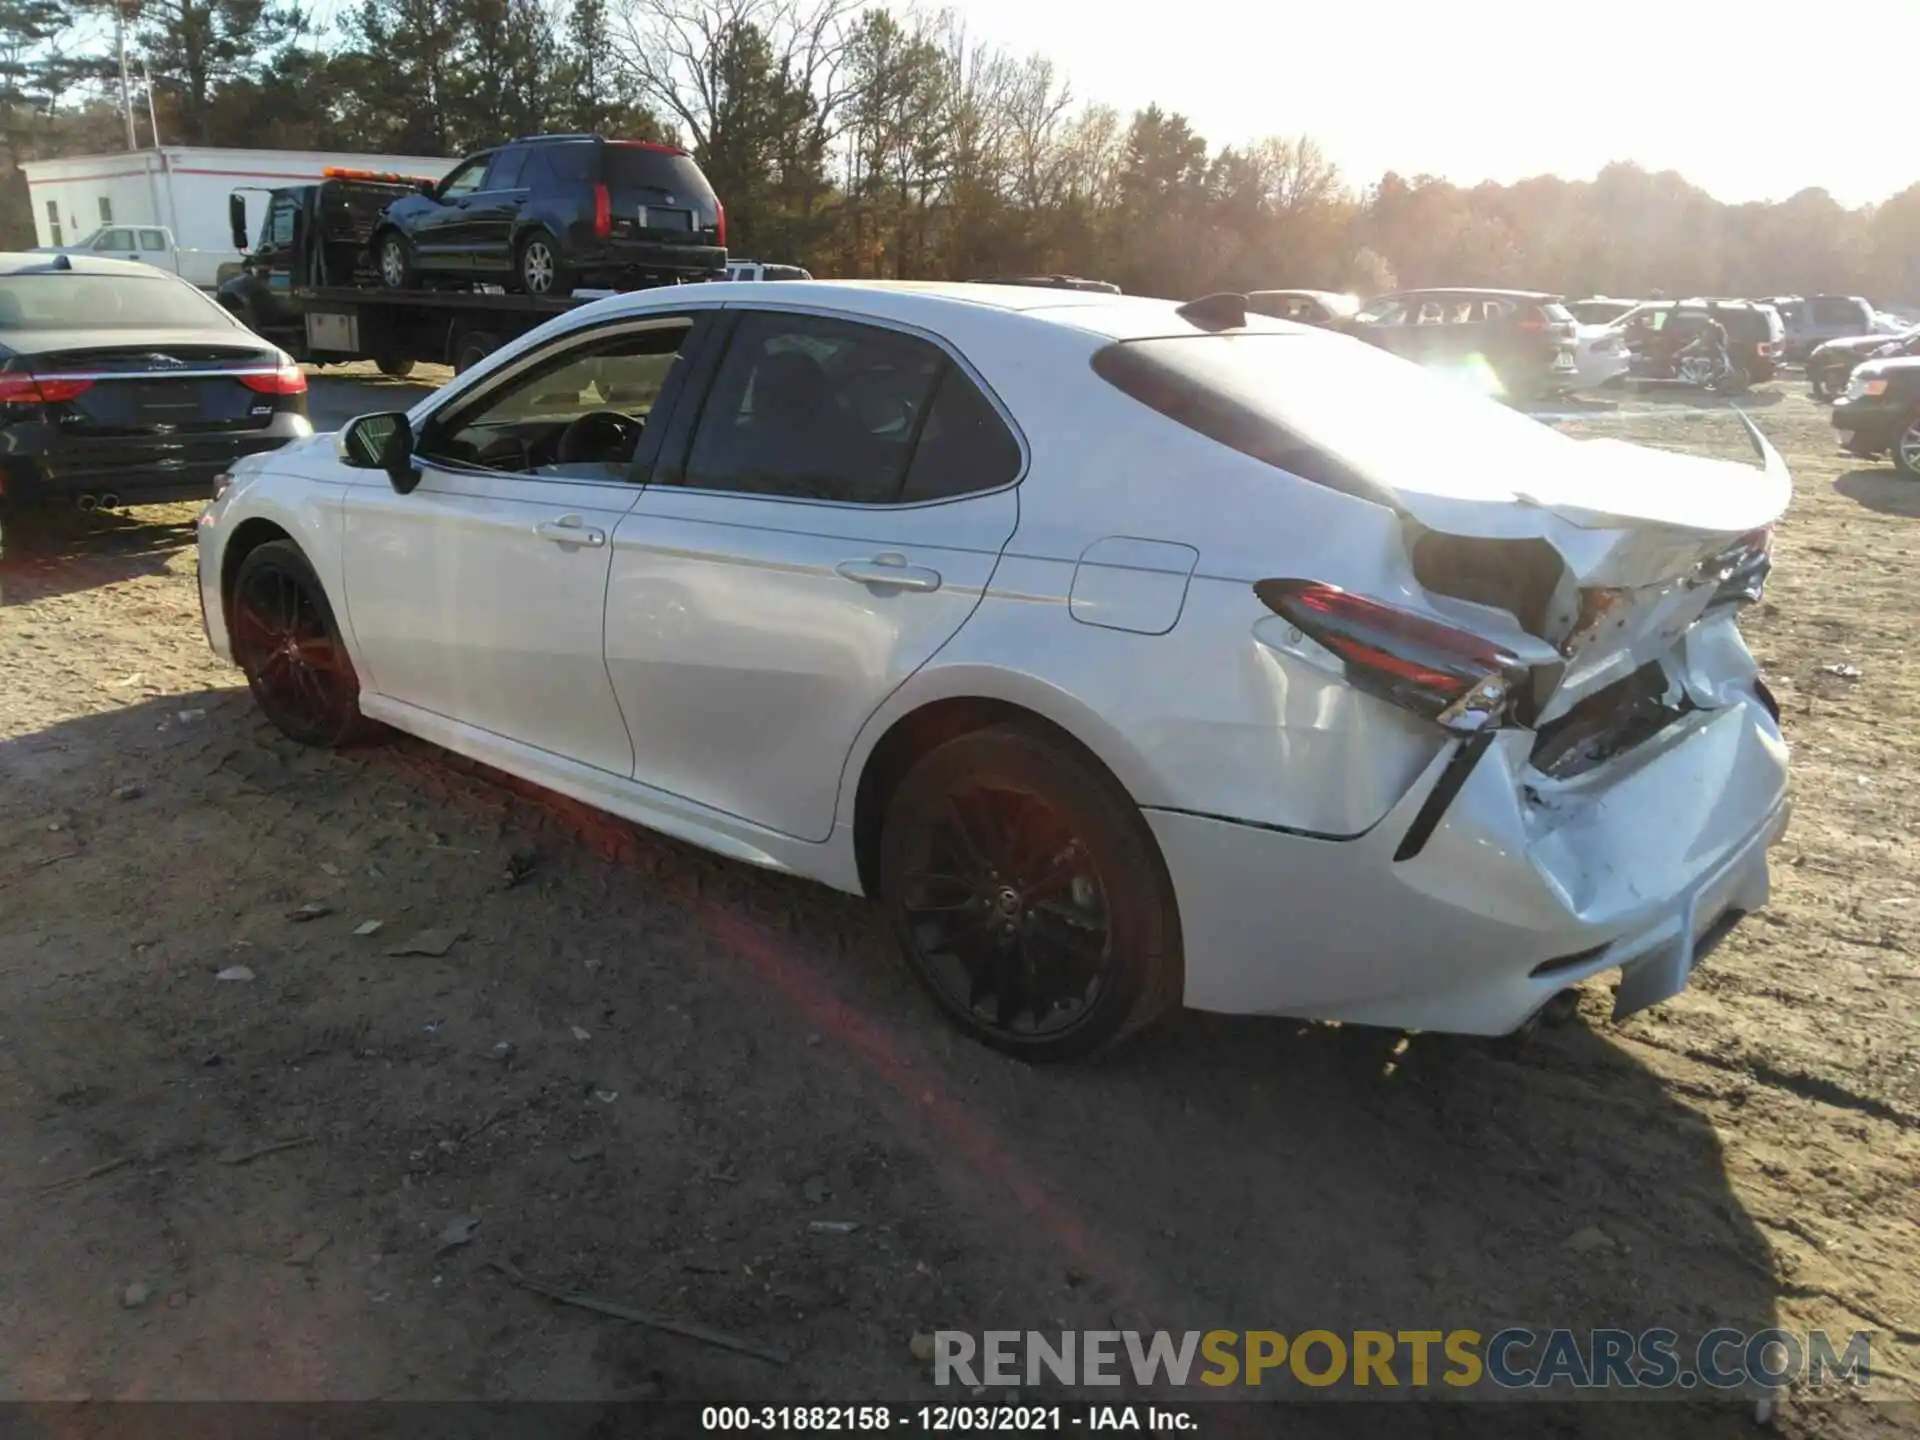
921,731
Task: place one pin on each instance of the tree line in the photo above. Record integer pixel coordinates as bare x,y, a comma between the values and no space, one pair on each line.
862,140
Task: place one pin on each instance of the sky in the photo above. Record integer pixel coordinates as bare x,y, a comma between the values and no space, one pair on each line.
1500,89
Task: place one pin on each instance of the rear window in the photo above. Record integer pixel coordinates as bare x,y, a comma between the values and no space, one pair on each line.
110,302
1310,403
636,167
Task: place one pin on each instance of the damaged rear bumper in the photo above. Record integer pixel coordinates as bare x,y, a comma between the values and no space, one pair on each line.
1525,886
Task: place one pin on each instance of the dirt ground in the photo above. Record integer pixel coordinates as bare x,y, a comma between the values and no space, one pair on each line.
643,1073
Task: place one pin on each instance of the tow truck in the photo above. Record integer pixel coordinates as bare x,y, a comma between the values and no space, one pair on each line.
307,282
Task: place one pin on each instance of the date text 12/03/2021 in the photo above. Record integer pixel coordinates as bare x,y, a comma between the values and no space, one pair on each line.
952,1419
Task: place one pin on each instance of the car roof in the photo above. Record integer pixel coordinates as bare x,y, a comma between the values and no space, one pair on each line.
1471,290
23,263
931,303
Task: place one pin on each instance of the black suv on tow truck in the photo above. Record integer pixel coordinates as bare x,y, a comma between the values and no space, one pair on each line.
1880,413
547,213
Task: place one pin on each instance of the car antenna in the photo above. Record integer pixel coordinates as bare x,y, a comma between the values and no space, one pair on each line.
62,262
1223,311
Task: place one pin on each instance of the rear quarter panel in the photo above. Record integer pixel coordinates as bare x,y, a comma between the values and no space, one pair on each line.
1223,714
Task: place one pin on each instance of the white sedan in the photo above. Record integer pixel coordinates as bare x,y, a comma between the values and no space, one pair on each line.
1128,654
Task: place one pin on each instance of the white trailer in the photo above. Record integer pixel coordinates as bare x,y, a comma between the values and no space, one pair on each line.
184,189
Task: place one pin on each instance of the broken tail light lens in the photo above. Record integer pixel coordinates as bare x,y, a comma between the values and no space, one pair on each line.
1739,572
287,380
1454,678
23,387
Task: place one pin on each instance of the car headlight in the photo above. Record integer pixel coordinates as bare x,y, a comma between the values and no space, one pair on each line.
1873,387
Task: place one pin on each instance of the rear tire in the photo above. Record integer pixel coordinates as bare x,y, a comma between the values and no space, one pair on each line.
288,644
1028,896
539,269
395,367
394,256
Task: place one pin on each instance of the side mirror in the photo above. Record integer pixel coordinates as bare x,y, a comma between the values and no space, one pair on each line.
237,219
382,441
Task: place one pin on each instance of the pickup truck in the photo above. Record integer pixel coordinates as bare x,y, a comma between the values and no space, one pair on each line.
151,245
754,270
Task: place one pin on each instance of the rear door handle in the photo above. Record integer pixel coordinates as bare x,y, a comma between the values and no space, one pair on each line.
570,530
889,568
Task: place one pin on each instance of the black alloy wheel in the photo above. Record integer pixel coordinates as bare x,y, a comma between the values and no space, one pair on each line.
286,642
1028,895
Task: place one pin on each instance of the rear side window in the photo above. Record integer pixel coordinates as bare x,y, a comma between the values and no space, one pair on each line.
964,445
568,164
1831,310
805,407
153,240
504,173
1556,312
640,167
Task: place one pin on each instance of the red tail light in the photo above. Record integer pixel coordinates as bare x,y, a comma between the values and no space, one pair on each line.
287,380
23,387
602,212
1451,677
720,223
1536,323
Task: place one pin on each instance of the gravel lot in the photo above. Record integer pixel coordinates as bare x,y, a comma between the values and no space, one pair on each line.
642,1072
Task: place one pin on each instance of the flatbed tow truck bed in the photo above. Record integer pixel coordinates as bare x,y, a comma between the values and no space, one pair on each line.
314,236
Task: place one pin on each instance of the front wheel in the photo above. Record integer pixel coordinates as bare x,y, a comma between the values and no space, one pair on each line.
1906,448
287,644
1028,895
396,262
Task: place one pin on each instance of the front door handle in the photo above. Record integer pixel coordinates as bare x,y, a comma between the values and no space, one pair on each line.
891,569
570,530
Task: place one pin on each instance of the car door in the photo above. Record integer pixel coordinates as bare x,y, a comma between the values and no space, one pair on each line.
115,244
441,234
480,596
491,210
827,522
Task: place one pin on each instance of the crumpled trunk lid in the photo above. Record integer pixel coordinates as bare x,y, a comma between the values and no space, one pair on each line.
1647,543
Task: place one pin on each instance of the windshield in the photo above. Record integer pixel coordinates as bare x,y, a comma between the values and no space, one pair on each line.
79,301
1295,399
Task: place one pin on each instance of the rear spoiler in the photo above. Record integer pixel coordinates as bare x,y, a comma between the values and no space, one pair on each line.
1769,457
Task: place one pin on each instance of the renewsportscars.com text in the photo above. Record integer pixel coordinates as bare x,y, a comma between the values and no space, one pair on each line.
1510,1359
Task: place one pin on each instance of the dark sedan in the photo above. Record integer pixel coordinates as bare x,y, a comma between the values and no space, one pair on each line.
121,384
1831,365
1880,414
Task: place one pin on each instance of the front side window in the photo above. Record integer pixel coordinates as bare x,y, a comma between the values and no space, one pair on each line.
280,232
153,240
114,240
467,179
1383,312
576,415
810,408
